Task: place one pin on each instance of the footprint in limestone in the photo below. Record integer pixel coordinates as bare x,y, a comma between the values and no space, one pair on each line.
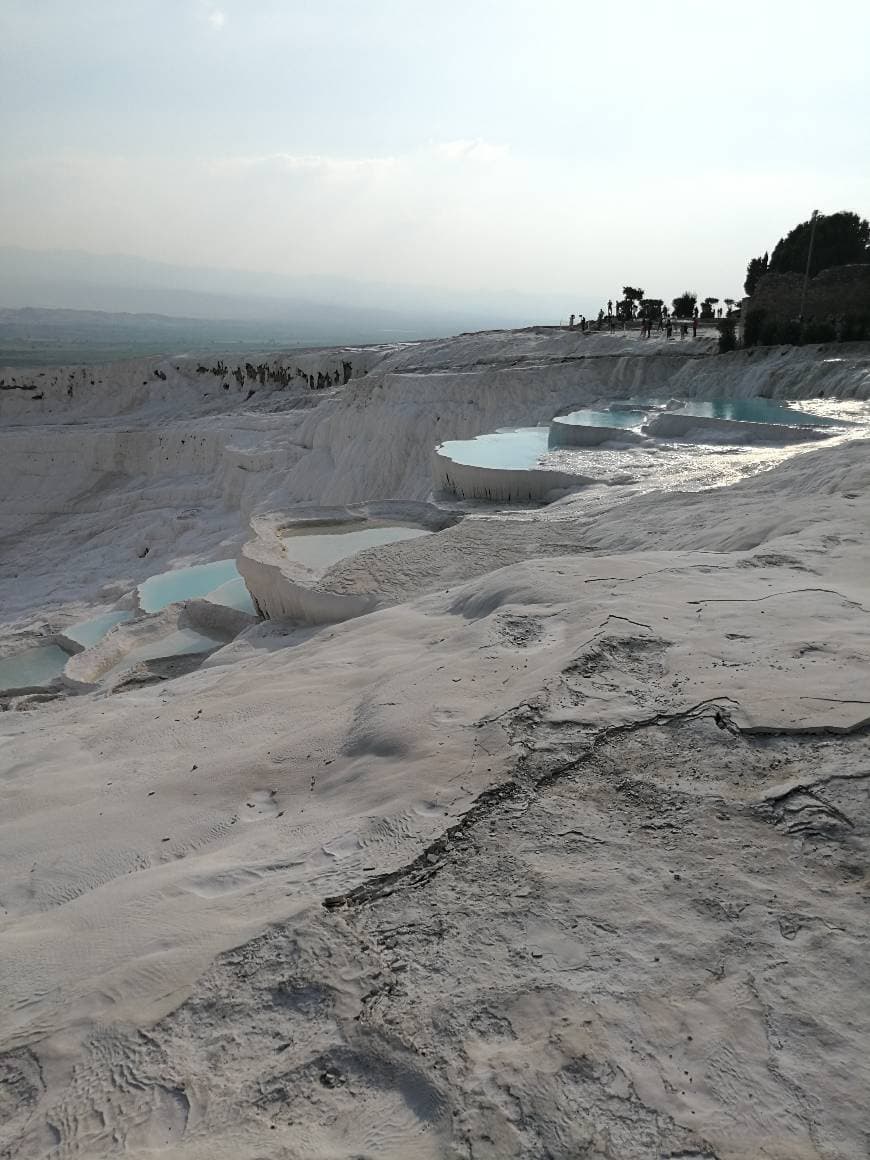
262,803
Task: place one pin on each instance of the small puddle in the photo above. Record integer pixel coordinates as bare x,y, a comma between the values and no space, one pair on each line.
319,548
33,668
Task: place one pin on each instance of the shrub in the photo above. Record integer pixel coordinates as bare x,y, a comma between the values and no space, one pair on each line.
727,335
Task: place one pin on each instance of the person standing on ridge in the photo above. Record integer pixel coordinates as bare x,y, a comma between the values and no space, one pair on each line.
571,322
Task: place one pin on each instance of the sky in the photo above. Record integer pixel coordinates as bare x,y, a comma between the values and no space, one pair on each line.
552,146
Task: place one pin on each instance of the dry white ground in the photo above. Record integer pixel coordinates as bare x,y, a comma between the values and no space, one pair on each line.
561,853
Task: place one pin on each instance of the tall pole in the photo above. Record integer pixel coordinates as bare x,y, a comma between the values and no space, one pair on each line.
809,260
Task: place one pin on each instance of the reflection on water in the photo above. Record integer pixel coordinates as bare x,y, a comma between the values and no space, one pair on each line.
753,411
622,417
511,447
179,643
233,594
91,632
35,667
319,548
185,584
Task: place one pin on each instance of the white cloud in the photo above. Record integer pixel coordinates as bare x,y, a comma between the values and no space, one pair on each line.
214,16
443,154
313,164
470,149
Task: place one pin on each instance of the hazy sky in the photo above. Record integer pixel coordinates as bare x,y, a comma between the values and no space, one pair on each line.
519,144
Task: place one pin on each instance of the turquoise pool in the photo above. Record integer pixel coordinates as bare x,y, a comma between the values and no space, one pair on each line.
91,632
509,447
233,594
753,411
321,547
33,668
186,584
622,417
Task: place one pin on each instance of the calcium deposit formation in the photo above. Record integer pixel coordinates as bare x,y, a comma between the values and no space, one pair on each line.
447,751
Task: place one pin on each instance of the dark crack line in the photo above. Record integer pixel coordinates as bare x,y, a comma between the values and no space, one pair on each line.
433,857
660,572
628,620
773,595
810,787
836,700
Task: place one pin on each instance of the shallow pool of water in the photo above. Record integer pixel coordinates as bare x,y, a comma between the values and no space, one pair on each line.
623,417
319,548
91,632
510,447
185,584
233,594
34,667
752,411
179,643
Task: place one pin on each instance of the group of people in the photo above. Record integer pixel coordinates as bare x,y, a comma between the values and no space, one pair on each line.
666,324
581,321
663,322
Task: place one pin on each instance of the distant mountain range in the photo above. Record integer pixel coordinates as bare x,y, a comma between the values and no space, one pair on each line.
36,336
75,279
69,305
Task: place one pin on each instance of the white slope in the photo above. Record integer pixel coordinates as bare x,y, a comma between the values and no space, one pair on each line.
560,853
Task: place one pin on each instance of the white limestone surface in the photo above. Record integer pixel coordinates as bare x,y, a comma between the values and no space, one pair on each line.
561,851
672,424
583,435
504,484
287,571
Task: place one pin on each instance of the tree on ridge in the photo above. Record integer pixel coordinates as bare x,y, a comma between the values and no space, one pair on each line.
840,239
756,268
684,304
630,295
707,305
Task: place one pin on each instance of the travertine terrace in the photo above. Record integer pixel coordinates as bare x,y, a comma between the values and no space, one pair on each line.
556,847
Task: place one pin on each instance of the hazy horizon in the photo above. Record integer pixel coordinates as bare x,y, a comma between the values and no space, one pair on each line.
550,152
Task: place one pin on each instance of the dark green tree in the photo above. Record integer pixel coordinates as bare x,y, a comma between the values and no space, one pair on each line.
685,304
756,268
651,307
707,305
840,239
727,335
630,295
